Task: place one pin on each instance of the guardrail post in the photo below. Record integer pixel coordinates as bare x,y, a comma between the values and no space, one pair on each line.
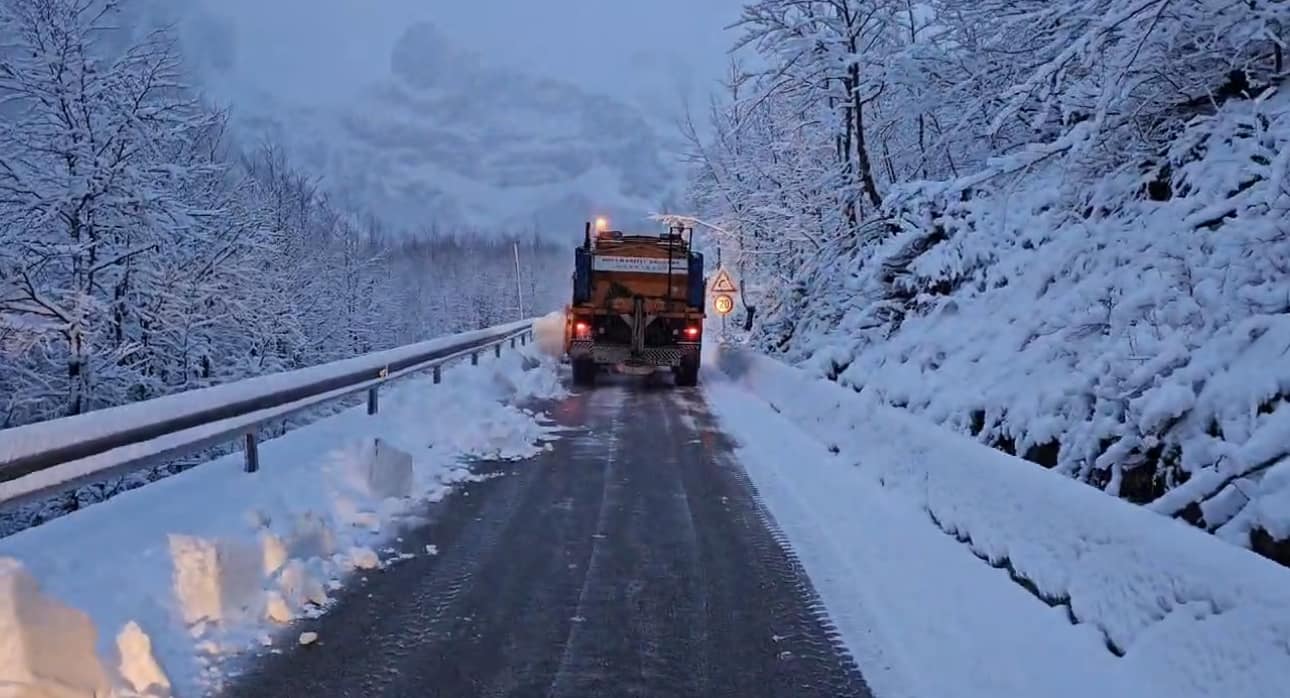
474,358
252,453
497,350
512,342
438,374
524,336
372,400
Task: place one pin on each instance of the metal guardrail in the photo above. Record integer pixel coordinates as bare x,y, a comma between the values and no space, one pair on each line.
60,453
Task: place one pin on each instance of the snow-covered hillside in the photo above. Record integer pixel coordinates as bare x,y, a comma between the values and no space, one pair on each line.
1143,347
1059,227
444,136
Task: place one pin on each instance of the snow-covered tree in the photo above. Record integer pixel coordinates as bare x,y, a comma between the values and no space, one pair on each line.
96,166
1054,226
140,256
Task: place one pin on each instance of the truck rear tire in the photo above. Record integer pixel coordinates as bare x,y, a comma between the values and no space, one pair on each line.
687,374
584,372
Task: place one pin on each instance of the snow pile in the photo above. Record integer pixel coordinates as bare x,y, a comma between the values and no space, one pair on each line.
527,376
548,333
363,559
310,535
210,561
487,419
1183,611
138,667
377,471
46,648
214,580
1137,343
299,583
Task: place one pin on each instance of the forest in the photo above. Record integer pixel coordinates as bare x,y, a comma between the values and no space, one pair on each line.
144,250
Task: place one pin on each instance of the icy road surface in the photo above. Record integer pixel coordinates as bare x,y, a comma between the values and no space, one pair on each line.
633,559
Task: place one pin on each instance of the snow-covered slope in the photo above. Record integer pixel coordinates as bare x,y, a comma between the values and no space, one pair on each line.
442,136
1131,333
954,570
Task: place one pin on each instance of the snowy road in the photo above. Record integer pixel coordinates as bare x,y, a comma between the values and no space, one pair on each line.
633,559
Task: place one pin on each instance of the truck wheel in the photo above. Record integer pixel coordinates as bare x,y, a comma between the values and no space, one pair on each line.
584,372
687,374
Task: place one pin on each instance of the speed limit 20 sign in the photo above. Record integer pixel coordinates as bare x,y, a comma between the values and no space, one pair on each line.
723,289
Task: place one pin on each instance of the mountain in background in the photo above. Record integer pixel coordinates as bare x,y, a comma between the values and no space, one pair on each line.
446,141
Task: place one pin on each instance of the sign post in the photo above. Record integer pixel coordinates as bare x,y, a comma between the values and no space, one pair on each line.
723,291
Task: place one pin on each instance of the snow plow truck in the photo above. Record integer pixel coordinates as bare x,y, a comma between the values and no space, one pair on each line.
638,304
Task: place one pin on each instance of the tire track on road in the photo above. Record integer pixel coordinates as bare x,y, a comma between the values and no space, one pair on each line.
633,559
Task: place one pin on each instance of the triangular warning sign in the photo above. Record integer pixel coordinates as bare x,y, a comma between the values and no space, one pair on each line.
723,283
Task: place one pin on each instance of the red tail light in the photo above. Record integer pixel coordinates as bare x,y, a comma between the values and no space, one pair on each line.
581,330
692,332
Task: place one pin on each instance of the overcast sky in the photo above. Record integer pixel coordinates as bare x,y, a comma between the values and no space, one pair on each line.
628,48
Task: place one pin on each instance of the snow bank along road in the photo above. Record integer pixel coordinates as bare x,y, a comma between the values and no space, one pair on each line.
652,542
664,546
632,559
163,589
952,569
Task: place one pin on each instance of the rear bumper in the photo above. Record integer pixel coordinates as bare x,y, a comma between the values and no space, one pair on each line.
615,354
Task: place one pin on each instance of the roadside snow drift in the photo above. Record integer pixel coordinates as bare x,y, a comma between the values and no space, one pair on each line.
166,583
912,532
46,648
548,333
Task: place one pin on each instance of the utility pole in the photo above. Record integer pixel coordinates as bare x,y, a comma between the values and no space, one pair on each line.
519,286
